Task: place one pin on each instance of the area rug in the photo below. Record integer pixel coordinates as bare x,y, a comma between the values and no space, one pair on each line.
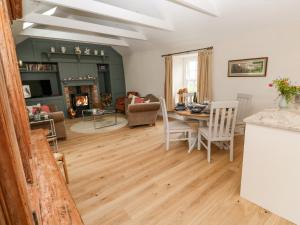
86,126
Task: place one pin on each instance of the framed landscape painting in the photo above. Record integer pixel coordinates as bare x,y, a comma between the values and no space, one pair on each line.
256,67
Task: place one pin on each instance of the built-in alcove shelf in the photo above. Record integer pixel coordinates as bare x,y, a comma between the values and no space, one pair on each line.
36,67
50,55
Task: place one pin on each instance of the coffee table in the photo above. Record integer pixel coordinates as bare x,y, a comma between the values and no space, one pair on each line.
97,114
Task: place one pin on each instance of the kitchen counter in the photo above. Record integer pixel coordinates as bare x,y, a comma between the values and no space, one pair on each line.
271,162
288,119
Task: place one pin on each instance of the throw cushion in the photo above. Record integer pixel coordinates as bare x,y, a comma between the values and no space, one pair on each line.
138,100
36,109
132,93
32,109
132,99
45,108
131,96
29,110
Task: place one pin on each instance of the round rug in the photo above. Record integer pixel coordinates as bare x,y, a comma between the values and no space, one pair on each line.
87,126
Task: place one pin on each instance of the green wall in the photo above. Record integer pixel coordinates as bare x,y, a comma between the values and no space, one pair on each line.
32,50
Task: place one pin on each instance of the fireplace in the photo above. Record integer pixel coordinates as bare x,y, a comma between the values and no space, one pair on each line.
79,97
80,102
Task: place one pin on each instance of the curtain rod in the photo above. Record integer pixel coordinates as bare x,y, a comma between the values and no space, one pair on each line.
177,53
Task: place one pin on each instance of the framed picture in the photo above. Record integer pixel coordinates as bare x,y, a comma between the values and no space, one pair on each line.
26,91
256,67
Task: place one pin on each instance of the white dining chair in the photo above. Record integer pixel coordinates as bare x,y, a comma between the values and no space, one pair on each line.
189,98
221,126
180,130
243,111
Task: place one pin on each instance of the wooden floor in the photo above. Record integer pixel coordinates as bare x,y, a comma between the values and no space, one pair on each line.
126,177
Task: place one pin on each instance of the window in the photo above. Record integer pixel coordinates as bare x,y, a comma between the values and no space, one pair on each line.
190,74
184,73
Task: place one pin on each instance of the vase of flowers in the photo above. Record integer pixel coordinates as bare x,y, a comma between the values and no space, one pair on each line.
286,90
181,93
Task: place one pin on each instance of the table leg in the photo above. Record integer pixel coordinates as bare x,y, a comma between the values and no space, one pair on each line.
194,143
201,123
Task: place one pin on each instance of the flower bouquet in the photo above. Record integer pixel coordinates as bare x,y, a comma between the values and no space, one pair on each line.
286,90
181,93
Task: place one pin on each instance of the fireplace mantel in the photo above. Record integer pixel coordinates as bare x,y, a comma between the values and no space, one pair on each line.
78,82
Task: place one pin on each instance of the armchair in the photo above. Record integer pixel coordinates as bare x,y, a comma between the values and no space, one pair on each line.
142,113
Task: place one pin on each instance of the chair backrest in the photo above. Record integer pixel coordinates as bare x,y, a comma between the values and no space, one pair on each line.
222,119
244,106
189,98
164,113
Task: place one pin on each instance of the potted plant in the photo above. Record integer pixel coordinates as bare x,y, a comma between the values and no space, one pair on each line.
286,90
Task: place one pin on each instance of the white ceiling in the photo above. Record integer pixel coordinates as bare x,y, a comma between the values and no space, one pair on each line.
189,24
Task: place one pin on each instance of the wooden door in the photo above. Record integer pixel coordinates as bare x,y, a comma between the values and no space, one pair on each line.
14,139
12,79
13,193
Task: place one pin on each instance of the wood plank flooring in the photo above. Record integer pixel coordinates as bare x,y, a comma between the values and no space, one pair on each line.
126,177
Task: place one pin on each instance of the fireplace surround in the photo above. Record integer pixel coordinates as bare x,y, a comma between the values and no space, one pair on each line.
81,97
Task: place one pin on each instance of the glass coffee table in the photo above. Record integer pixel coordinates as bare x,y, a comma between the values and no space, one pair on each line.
97,115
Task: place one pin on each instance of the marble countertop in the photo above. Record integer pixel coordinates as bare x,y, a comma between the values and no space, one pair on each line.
288,119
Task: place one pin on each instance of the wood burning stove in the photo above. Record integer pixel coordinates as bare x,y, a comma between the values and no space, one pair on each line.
80,102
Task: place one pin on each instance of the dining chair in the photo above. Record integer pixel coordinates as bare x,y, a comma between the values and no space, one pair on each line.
221,126
189,98
244,109
61,161
176,127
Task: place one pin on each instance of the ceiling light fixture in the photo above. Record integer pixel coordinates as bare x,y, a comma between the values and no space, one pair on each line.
49,12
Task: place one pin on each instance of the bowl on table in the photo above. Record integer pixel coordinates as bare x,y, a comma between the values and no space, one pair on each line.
198,108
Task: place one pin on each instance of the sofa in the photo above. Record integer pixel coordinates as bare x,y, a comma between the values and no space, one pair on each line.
59,122
142,113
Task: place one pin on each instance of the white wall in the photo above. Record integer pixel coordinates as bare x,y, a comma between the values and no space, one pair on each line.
144,71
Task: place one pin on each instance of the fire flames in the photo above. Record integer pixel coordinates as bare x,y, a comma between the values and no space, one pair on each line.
81,100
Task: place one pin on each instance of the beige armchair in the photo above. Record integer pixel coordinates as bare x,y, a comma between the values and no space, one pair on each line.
142,113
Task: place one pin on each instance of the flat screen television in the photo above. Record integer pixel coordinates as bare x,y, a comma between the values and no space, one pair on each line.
39,88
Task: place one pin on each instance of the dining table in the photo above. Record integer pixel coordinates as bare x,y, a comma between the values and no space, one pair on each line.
195,116
201,118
